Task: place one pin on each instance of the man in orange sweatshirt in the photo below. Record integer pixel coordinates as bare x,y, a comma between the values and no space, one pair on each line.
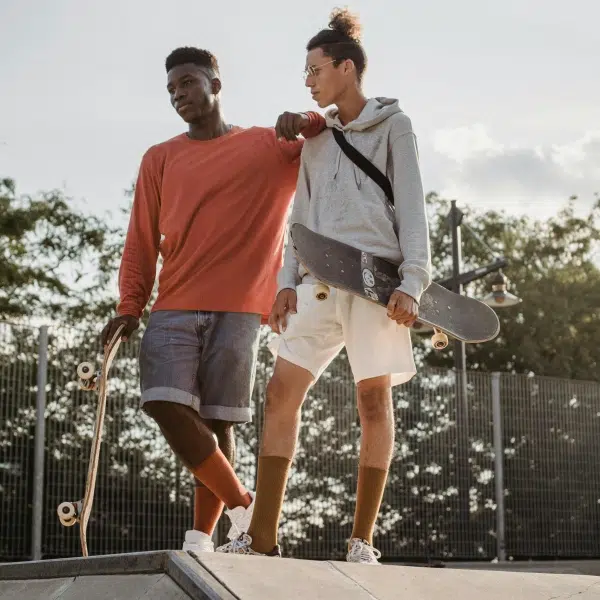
213,202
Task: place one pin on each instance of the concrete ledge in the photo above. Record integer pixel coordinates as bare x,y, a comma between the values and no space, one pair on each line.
196,581
111,564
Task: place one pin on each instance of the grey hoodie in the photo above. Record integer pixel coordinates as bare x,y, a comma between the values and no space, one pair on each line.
337,199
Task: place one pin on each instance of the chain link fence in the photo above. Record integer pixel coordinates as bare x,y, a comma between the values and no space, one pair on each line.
522,483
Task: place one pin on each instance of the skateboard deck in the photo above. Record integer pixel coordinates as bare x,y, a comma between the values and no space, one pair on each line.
70,513
342,266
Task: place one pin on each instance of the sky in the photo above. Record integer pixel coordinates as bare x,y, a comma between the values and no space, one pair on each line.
504,97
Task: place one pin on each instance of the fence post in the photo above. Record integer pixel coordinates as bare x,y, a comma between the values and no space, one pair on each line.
39,447
498,468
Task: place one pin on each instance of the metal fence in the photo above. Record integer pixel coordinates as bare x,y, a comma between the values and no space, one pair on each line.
530,480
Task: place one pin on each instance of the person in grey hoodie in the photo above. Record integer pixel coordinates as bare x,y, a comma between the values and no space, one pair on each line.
336,198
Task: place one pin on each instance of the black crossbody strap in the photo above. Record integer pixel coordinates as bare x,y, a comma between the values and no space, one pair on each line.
364,163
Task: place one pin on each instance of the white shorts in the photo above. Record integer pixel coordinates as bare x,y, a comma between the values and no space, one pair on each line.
375,344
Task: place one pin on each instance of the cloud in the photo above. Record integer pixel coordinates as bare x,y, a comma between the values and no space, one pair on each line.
475,168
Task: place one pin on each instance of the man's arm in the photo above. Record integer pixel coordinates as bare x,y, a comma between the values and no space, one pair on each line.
314,126
411,216
138,264
288,277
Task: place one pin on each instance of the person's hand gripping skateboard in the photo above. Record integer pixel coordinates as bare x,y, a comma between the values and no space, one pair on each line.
131,324
403,309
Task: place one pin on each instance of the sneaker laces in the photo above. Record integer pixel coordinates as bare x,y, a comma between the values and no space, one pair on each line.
364,552
236,544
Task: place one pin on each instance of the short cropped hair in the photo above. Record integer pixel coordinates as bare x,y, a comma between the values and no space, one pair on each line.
196,56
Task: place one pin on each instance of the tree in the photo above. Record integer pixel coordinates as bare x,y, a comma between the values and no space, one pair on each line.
50,253
554,331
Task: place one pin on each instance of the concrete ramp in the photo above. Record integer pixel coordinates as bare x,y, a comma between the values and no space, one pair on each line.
113,587
143,576
258,578
179,576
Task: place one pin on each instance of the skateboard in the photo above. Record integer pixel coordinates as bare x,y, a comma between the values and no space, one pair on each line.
70,513
342,266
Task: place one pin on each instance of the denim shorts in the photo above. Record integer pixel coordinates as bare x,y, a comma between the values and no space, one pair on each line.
206,360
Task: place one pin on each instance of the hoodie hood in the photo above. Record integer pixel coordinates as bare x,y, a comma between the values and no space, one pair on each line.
375,111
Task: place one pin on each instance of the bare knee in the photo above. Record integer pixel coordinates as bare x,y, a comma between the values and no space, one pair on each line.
287,389
374,400
190,439
279,400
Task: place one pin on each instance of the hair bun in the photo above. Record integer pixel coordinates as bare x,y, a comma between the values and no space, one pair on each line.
346,23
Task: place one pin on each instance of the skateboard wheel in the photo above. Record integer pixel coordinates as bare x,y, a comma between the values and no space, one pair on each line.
321,292
439,340
66,511
85,370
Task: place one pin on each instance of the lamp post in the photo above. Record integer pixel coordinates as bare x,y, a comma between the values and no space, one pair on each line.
460,368
498,298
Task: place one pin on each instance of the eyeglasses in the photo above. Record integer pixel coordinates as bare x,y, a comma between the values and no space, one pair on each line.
311,71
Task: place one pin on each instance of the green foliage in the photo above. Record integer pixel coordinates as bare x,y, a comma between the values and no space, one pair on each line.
48,252
554,331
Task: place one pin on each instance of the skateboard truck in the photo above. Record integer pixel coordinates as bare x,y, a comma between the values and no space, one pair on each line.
87,376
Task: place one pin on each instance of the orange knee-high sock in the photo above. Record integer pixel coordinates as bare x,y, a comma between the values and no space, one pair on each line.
207,507
218,476
207,510
270,490
369,494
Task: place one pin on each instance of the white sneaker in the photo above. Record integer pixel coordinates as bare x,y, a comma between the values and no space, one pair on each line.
241,545
198,541
240,518
361,551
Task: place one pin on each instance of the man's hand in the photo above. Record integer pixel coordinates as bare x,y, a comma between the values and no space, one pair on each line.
290,125
403,309
131,324
284,303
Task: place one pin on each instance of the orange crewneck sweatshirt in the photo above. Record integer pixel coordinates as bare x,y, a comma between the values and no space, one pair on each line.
216,211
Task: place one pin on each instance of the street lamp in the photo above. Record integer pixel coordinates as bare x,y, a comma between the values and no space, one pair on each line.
499,296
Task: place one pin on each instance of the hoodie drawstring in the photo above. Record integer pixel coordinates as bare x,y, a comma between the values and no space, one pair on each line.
337,161
357,172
